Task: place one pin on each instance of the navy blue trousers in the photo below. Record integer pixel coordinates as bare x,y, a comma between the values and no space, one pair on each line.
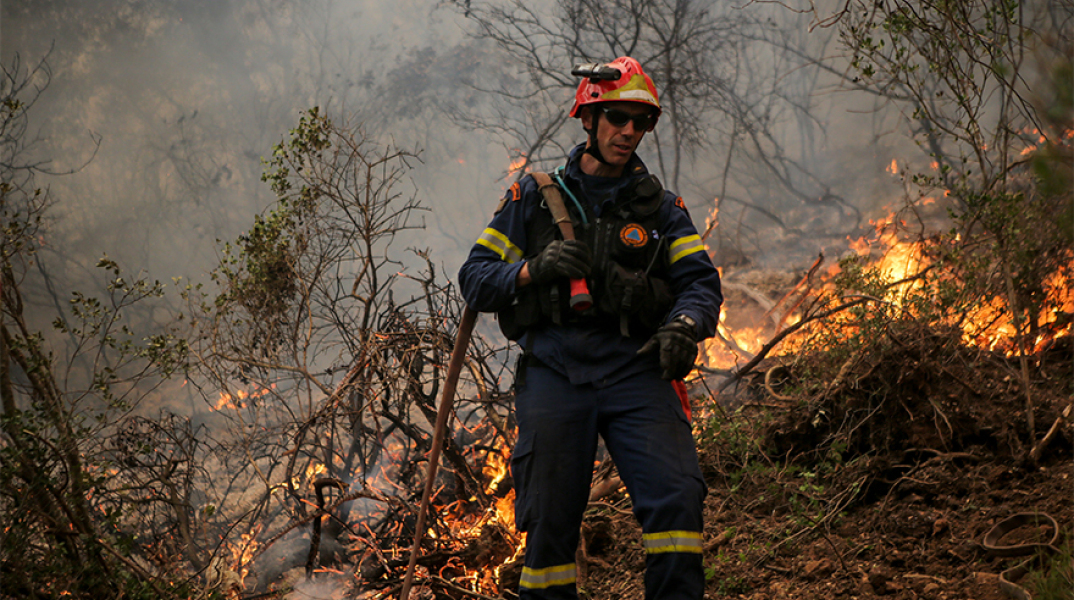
644,428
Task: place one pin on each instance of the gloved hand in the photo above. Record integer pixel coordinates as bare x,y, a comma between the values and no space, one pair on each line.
677,342
561,258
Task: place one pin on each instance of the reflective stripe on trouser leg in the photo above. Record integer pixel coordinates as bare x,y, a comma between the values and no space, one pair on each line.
643,424
672,541
539,579
552,465
674,567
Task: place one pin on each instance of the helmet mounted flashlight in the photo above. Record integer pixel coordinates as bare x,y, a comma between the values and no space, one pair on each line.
597,72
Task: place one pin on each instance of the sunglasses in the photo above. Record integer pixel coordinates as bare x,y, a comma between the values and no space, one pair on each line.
619,118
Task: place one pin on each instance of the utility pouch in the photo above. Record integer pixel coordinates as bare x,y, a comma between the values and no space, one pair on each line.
545,303
520,315
646,195
640,301
534,305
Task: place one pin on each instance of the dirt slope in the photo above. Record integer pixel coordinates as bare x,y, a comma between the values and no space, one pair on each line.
882,490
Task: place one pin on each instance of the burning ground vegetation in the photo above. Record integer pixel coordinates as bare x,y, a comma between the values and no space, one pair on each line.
863,442
867,437
881,483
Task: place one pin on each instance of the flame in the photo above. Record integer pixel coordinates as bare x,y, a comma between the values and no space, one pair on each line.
735,345
237,401
228,401
897,264
712,221
991,326
900,261
893,168
1031,148
465,524
522,163
242,553
860,246
496,470
313,469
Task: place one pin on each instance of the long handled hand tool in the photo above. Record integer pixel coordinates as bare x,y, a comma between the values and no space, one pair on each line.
580,297
458,355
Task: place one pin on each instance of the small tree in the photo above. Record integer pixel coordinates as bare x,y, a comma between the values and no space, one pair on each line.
76,495
328,353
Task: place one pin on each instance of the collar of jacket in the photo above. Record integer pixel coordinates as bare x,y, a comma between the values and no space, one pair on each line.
632,170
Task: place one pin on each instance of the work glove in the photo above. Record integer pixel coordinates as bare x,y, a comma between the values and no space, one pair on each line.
677,342
561,258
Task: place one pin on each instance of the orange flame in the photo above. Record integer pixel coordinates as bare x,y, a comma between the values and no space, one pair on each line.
238,400
522,163
466,524
989,326
242,553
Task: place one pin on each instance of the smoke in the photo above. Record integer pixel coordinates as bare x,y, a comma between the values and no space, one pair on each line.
157,117
326,586
158,114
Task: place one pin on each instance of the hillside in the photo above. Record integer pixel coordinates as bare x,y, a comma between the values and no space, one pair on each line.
867,493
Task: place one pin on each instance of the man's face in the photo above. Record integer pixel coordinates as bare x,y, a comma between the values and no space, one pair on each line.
616,142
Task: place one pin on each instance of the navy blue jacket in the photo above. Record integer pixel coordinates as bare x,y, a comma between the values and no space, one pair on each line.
587,353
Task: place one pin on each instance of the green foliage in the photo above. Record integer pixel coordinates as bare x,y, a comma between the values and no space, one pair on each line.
885,346
100,324
57,471
260,269
1056,580
730,435
732,586
67,503
19,220
300,153
949,61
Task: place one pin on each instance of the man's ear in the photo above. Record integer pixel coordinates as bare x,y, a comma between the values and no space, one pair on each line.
586,114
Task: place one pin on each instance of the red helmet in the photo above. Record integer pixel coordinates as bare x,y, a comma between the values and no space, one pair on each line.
633,85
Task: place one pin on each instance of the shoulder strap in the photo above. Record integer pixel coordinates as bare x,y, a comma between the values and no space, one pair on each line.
553,199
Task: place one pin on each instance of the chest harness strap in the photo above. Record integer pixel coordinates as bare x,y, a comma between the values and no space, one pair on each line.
581,299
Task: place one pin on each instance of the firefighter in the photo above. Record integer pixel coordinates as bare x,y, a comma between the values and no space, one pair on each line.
615,369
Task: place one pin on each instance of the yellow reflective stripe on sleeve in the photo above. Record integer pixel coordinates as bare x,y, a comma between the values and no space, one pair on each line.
672,541
498,243
536,579
684,247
